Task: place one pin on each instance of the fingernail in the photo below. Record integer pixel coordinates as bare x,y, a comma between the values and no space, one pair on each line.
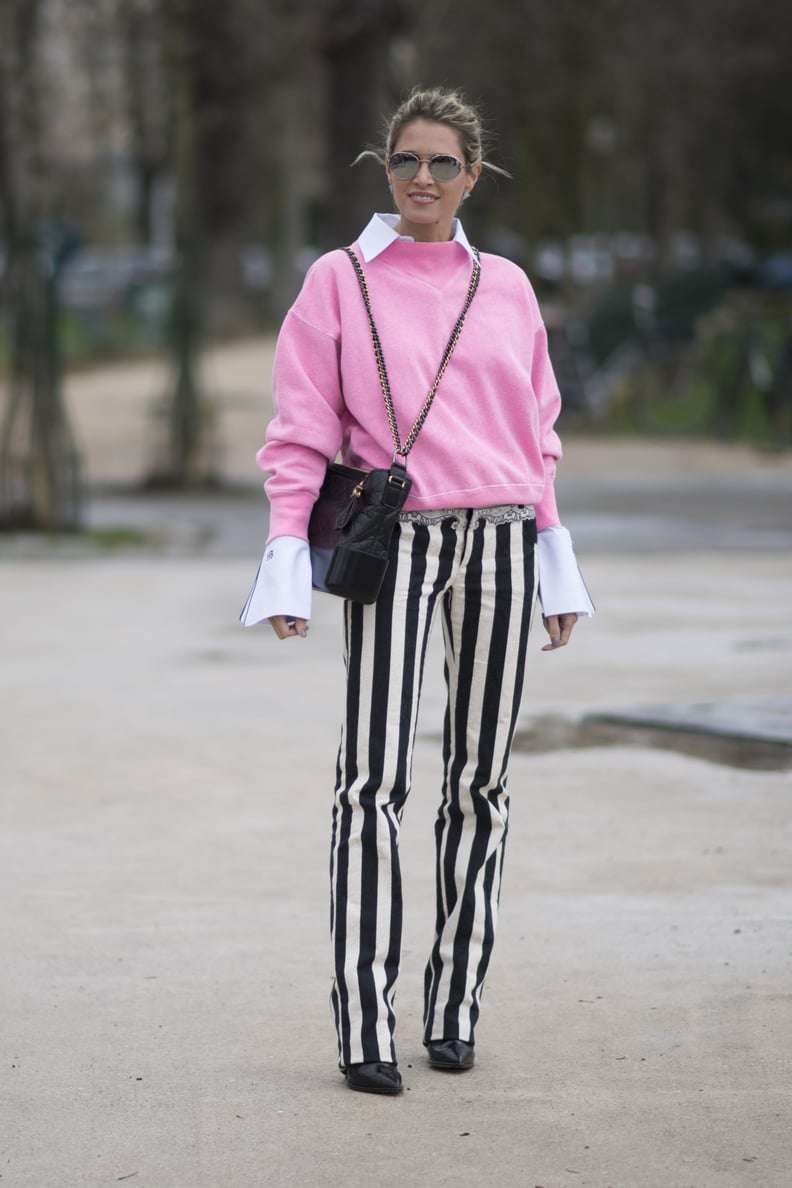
303,632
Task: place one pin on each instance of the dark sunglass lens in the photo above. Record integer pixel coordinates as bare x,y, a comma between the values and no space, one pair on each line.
404,165
444,168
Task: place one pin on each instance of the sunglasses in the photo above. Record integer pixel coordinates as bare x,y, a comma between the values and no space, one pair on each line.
442,167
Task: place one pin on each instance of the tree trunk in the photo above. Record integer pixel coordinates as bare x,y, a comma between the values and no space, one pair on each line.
186,458
40,480
140,50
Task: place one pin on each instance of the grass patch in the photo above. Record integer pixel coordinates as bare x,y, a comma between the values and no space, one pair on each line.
114,538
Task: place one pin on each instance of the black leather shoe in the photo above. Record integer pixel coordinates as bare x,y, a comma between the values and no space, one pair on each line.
451,1055
376,1077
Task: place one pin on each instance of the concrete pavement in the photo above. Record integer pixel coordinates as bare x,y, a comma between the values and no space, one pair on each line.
163,930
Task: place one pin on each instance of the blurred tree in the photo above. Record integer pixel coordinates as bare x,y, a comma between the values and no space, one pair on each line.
623,115
184,457
40,480
139,31
356,40
758,191
228,76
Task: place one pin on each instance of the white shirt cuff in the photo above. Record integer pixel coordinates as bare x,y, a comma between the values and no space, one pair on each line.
283,582
562,590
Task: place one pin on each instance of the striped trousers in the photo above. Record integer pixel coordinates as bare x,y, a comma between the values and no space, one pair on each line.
477,570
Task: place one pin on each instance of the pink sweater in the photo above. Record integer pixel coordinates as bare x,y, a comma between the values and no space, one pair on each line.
489,436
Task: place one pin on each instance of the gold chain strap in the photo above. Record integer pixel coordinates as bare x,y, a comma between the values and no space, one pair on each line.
409,442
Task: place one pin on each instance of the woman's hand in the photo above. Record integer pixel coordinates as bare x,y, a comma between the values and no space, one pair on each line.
559,628
284,626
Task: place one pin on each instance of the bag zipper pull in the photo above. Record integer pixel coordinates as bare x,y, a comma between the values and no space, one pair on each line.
353,507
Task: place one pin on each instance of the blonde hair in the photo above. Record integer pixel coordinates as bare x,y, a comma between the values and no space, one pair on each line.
441,107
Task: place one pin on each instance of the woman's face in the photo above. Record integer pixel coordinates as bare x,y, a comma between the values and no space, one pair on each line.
427,206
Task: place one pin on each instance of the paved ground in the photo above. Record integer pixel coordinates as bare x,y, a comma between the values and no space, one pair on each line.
163,932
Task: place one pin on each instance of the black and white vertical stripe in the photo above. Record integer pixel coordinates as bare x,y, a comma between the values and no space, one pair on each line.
477,570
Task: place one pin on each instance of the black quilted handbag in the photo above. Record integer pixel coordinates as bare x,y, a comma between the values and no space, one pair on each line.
351,529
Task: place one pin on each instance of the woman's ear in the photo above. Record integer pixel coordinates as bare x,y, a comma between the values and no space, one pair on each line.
473,175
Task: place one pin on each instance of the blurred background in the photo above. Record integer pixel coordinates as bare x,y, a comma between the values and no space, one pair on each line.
170,168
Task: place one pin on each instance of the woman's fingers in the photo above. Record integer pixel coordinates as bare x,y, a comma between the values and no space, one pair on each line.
559,628
284,626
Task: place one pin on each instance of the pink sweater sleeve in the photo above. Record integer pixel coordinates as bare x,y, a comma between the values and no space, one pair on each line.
549,404
307,429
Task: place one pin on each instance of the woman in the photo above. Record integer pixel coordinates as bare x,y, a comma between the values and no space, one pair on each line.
482,473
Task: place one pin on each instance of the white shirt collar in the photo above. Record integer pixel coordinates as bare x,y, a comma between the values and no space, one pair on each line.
381,233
